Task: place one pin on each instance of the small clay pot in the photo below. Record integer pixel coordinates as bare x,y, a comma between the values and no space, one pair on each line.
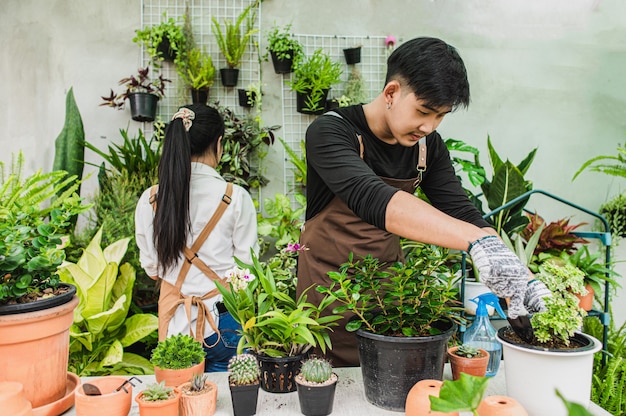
12,399
476,366
500,406
418,402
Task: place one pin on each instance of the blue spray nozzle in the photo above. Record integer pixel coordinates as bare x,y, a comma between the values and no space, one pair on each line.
487,299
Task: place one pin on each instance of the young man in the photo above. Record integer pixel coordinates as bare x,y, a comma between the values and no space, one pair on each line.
364,163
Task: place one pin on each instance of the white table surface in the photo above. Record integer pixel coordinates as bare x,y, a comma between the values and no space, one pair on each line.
349,396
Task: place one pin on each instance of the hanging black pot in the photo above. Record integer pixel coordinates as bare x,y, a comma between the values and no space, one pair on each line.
165,50
306,100
352,55
199,96
246,98
316,400
282,65
143,106
278,374
229,76
392,365
244,399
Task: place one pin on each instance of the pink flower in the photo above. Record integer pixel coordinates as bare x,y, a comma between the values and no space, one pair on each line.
295,247
390,42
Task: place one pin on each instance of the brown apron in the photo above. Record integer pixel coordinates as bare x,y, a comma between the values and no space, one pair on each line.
330,236
171,296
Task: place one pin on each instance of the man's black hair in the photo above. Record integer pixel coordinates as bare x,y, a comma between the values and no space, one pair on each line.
433,70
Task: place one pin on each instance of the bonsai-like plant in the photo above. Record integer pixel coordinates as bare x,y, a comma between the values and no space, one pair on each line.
166,38
243,369
283,45
156,392
37,220
141,83
177,351
196,69
315,370
273,323
402,299
314,76
233,42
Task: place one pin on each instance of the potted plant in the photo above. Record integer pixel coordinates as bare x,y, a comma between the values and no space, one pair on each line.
404,312
316,387
197,71
163,42
233,43
276,327
284,49
560,357
198,397
105,396
352,55
177,358
248,97
157,399
36,308
243,381
142,93
312,79
467,359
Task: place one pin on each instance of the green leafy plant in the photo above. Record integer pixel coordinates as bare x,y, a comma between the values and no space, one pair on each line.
37,216
243,369
233,42
316,370
274,323
615,164
563,315
573,409
166,37
156,392
244,147
402,299
196,69
356,90
314,75
69,152
469,169
177,351
462,395
614,211
140,82
102,327
281,222
467,351
283,44
297,161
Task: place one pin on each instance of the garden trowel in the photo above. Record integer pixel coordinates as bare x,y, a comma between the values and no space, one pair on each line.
522,327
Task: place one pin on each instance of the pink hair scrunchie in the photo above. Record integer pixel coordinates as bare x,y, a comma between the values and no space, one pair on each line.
186,115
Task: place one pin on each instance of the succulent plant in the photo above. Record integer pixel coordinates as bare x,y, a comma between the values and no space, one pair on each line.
157,391
316,370
243,369
467,351
198,381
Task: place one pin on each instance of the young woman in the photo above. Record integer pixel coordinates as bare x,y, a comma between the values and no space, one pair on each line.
190,227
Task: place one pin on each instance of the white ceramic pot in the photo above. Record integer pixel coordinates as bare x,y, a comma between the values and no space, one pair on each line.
533,375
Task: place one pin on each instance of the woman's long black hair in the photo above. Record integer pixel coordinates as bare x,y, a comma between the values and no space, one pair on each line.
171,222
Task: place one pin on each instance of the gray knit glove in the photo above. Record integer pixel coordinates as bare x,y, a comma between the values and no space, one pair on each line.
534,299
501,270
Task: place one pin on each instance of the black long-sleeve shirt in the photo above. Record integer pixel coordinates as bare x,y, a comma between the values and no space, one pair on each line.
335,168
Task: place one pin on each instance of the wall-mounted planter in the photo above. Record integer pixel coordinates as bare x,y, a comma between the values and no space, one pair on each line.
229,76
143,106
306,103
200,96
352,55
282,66
246,98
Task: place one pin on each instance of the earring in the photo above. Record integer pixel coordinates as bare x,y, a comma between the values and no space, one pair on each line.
388,106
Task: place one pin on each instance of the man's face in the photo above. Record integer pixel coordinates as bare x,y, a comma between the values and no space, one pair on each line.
410,119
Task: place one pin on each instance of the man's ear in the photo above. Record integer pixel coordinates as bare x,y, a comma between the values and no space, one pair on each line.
392,88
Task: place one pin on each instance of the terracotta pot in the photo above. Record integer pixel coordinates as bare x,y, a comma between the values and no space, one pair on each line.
418,402
476,366
586,301
174,378
500,406
34,350
12,399
109,403
167,407
198,404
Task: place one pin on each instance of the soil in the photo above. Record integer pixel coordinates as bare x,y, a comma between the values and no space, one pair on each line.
510,335
300,379
186,389
35,296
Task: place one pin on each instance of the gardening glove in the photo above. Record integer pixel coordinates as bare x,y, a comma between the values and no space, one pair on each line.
505,275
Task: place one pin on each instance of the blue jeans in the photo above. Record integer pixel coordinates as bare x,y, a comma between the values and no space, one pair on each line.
217,356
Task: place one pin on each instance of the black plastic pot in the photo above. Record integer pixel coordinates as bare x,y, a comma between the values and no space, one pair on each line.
165,49
278,374
316,400
199,96
392,365
302,98
352,55
229,76
244,100
42,304
282,66
143,106
244,399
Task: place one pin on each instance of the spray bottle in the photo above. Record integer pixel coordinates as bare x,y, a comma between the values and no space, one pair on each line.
482,334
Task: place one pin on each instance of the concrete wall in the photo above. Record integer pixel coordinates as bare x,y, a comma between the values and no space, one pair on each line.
546,74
